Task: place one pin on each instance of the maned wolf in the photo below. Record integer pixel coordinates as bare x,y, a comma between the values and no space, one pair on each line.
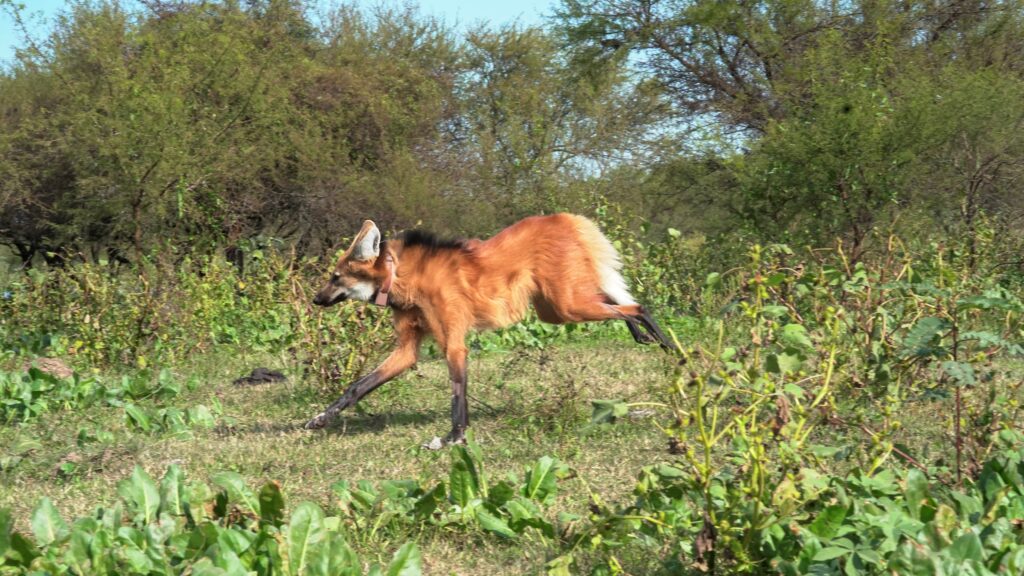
561,264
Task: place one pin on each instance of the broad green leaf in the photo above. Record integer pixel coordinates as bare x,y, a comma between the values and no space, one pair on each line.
668,471
237,490
774,311
47,525
77,553
205,567
1015,561
172,491
427,504
541,480
501,493
305,530
235,540
343,498
399,489
494,524
812,482
197,495
200,415
560,566
364,495
522,509
608,411
229,561
160,532
271,504
916,492
5,531
463,482
22,550
474,452
138,417
785,497
333,557
826,525
787,362
795,336
830,553
713,280
141,493
132,550
967,548
406,561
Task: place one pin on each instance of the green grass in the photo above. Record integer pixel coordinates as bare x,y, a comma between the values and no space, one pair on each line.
524,404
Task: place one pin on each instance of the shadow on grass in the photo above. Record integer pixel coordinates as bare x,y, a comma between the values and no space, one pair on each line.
356,423
366,423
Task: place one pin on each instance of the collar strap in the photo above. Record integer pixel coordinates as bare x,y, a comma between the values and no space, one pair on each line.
382,294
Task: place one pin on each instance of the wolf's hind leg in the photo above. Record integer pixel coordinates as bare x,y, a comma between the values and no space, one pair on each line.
635,315
652,327
457,357
635,330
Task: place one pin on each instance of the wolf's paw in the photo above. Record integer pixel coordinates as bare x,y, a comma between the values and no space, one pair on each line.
435,444
455,437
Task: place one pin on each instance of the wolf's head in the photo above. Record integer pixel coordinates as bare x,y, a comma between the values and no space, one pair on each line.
357,275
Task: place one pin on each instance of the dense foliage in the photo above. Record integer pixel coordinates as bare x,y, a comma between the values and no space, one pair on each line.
129,127
851,116
789,451
178,527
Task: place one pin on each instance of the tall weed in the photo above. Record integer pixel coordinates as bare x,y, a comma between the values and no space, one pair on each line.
815,361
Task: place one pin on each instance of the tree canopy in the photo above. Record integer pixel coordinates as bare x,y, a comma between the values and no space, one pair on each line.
131,127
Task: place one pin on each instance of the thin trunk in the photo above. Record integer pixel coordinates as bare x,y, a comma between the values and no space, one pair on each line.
137,234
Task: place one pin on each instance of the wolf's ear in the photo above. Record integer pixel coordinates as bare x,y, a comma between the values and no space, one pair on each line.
366,245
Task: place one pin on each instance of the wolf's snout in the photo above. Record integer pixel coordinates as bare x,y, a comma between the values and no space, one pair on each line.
321,299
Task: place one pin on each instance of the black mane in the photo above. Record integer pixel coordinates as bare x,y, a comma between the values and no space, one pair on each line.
429,241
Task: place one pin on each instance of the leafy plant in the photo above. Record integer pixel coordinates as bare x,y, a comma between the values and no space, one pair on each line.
509,508
812,350
27,395
179,528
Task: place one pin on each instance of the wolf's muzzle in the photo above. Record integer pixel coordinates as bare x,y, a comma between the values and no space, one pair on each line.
322,300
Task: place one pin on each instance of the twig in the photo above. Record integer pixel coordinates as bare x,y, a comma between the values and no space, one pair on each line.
493,411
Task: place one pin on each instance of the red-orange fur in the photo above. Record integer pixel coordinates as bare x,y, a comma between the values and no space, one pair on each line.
490,284
552,262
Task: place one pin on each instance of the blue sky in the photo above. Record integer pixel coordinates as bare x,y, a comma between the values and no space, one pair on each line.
463,12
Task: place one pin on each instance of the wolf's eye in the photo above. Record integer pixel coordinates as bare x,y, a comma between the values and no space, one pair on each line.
335,277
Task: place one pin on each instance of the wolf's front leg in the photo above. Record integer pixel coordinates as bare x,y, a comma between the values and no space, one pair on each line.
352,394
400,360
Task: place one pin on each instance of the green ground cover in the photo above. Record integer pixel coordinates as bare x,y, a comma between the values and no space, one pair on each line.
817,417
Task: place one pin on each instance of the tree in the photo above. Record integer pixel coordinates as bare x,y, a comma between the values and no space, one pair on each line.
536,117
836,109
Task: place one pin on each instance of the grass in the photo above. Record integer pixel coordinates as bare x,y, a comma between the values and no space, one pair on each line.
524,404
